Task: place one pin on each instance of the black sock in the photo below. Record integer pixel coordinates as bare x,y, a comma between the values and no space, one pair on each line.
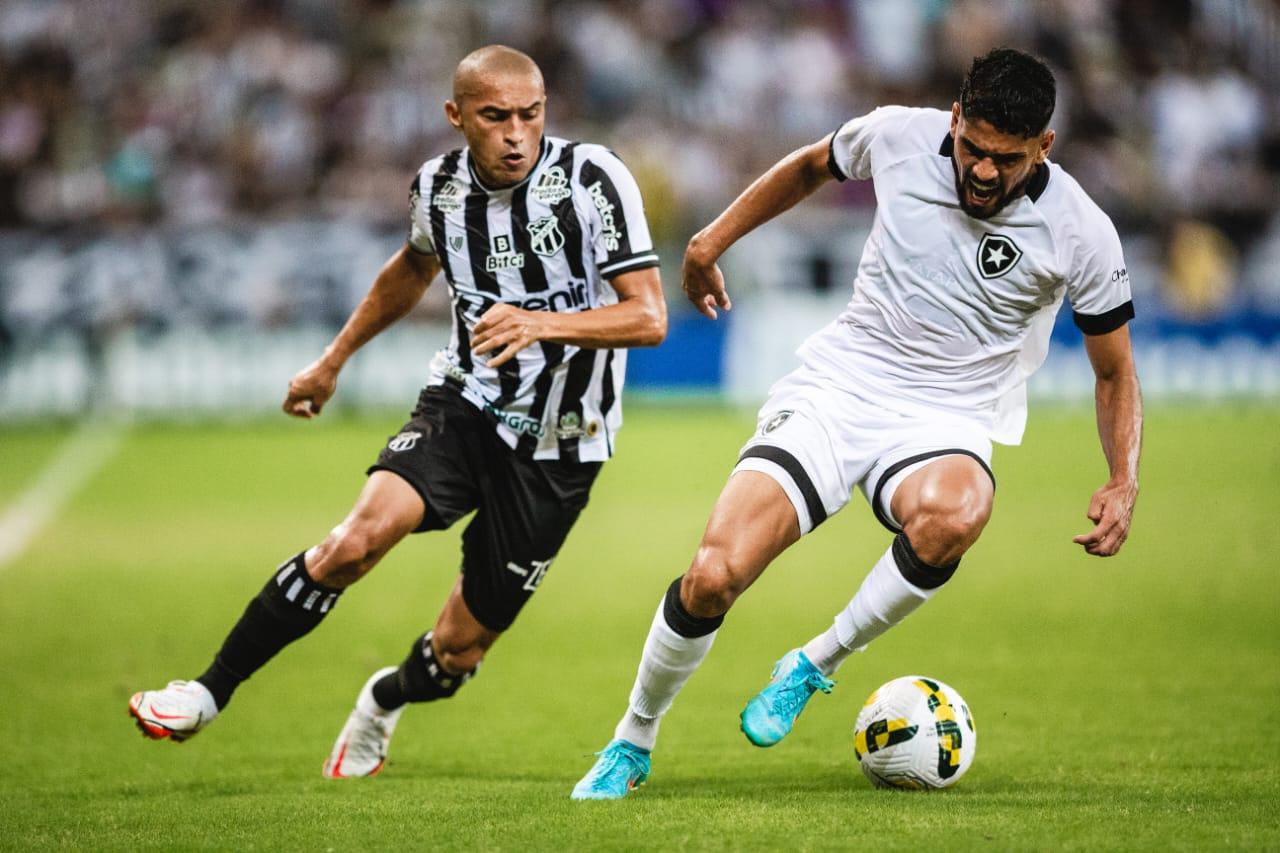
420,678
288,607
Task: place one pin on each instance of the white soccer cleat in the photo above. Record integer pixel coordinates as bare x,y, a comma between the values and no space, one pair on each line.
361,748
177,712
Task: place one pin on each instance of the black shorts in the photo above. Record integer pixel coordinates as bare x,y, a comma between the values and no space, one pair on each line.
451,454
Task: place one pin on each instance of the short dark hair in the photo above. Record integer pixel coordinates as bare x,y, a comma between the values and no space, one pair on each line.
1012,90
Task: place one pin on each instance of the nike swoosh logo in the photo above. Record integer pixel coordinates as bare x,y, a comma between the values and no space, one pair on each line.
159,716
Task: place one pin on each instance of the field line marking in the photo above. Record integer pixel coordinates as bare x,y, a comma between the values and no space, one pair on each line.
80,457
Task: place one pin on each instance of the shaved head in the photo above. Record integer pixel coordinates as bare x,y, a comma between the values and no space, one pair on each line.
483,68
499,105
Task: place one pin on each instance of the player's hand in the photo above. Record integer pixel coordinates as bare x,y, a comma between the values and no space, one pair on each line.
311,389
508,327
704,283
1111,511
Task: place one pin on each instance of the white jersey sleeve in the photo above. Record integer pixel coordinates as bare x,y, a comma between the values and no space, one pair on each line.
1097,279
619,232
420,211
859,146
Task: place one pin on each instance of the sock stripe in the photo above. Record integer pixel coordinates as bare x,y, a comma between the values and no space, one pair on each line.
681,620
916,570
294,589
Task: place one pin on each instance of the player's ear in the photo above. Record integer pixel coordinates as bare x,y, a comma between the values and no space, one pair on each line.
1046,143
955,117
453,113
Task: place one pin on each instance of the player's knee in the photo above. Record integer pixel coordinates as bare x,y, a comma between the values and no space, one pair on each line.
712,584
947,523
345,555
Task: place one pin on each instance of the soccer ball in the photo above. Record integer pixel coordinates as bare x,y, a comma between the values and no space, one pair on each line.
916,733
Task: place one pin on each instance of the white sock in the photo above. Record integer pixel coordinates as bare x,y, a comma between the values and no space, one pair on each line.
884,599
668,661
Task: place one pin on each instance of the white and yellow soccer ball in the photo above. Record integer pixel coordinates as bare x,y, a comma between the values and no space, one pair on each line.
916,733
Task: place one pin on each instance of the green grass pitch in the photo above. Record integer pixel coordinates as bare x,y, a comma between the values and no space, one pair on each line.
1123,704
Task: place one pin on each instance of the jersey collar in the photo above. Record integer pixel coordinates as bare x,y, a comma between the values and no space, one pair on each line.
544,147
1035,186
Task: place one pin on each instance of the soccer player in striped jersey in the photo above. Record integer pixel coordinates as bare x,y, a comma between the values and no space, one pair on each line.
552,274
977,239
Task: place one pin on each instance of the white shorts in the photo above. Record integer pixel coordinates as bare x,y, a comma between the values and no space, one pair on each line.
820,442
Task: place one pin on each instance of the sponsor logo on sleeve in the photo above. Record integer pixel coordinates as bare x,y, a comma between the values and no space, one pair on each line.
404,441
608,227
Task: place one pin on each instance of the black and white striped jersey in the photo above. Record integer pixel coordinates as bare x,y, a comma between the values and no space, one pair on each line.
548,243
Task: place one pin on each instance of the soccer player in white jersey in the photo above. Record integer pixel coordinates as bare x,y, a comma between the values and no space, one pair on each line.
977,238
552,273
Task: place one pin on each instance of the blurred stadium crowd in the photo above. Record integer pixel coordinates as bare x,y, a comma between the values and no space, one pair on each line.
137,127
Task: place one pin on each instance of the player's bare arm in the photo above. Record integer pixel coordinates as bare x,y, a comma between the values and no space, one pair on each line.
1119,411
398,287
639,319
787,183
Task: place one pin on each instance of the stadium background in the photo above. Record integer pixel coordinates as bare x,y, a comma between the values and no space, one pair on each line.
194,195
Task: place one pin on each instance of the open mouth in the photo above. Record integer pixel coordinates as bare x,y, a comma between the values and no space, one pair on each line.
512,159
980,193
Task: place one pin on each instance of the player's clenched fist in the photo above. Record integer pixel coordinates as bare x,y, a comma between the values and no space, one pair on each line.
703,282
1111,511
508,327
310,389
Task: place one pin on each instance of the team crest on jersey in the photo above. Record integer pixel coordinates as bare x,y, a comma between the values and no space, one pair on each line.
997,255
545,236
455,243
776,421
404,441
449,198
552,186
503,257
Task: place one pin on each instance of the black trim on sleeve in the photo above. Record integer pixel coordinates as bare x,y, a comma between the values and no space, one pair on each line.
1108,321
790,464
831,157
881,515
635,261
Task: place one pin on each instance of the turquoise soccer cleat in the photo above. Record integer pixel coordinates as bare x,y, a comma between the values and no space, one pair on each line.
621,766
772,712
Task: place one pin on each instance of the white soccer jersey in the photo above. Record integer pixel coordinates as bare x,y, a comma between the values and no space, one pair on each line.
952,312
548,243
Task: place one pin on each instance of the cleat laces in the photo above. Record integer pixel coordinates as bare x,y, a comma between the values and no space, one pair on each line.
618,767
790,699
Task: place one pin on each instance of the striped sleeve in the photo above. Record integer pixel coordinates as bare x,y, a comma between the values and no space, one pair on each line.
619,232
419,214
